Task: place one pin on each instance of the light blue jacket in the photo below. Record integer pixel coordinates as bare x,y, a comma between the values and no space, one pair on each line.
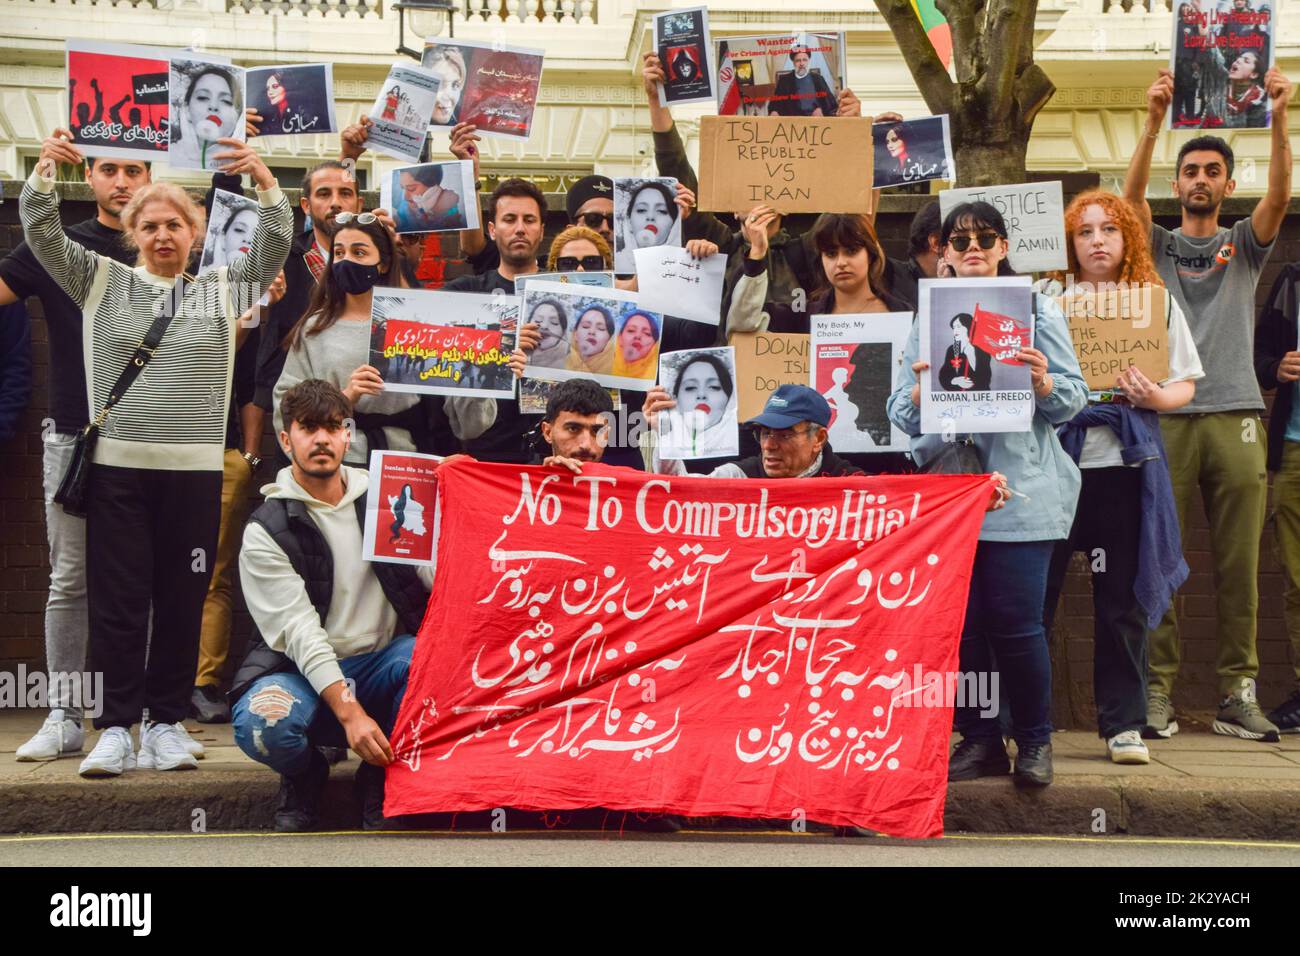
1033,461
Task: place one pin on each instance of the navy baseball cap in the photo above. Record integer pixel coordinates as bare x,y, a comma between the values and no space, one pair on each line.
792,404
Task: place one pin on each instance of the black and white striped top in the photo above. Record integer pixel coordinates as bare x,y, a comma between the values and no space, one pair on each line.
173,417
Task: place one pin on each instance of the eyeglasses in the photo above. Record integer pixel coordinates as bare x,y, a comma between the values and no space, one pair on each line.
780,436
363,218
987,240
592,220
588,263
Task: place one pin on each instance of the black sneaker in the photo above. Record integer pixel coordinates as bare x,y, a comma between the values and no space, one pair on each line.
978,757
298,804
369,788
208,705
1286,715
1033,766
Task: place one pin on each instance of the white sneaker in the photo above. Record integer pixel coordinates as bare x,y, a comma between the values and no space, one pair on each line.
193,746
1127,747
113,754
162,748
58,735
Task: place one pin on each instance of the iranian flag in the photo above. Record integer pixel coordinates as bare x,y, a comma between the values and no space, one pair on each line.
936,27
728,88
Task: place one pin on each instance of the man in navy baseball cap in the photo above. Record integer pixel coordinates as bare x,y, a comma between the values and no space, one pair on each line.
791,433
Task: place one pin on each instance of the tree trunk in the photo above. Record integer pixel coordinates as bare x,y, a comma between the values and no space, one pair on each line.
998,91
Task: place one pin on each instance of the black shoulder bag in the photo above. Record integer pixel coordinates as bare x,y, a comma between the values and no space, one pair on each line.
73,491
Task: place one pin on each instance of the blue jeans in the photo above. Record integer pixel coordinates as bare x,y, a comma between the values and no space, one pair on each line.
280,718
1004,616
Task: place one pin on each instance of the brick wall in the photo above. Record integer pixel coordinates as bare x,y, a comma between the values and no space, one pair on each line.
24,573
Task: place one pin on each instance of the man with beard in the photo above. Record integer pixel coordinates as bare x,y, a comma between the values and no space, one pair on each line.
336,629
577,423
1215,443
113,182
516,221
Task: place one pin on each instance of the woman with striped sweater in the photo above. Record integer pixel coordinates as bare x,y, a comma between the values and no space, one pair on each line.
154,499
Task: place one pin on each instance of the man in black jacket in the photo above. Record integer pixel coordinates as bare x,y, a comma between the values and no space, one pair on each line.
1277,366
336,629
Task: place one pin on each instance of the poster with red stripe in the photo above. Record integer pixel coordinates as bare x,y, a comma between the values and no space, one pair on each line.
704,647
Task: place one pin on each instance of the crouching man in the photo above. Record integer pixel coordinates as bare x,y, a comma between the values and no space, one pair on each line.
336,630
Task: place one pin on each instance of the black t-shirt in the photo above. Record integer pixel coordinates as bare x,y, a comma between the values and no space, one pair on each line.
67,372
509,439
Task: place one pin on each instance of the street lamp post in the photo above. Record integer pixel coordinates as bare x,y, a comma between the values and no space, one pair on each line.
426,19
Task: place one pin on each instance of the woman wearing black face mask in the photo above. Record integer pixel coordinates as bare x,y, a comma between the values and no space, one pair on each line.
326,342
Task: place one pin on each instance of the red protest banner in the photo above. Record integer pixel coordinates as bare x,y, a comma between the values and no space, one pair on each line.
999,335
690,645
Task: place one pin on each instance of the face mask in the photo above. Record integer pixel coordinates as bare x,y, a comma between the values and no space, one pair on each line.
355,278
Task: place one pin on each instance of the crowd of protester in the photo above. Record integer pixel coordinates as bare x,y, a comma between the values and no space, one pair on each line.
176,448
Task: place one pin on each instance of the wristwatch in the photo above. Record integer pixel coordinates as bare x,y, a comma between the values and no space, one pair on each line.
253,460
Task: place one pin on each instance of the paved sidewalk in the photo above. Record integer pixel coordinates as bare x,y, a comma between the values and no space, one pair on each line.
1198,785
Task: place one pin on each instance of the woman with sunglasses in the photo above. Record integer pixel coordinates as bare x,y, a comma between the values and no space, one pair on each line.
335,329
579,249
1004,609
1126,506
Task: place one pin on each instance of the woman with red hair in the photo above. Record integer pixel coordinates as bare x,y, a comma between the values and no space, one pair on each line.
1126,519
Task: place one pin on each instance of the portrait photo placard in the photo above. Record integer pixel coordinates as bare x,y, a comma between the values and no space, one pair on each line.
230,230
294,99
855,361
704,423
432,197
912,151
1219,54
646,215
401,112
970,332
207,104
600,334
790,74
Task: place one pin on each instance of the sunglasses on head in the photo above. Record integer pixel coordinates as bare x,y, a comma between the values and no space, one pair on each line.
363,219
588,263
592,220
987,240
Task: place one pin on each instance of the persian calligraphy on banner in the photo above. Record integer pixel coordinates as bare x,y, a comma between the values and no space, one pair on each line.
690,645
1114,329
792,163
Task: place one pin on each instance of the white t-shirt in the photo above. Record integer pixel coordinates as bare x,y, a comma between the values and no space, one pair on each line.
1101,446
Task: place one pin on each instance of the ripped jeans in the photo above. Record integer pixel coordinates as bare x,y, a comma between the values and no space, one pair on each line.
280,717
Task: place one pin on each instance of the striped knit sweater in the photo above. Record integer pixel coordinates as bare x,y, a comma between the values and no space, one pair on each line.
173,417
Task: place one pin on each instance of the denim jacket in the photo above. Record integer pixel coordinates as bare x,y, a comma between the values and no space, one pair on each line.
1034,462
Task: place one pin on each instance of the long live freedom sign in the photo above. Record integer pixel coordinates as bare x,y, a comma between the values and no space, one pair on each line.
752,648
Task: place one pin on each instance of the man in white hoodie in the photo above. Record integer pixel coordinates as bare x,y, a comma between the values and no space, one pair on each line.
336,630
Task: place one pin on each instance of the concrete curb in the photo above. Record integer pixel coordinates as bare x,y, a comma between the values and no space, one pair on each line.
234,798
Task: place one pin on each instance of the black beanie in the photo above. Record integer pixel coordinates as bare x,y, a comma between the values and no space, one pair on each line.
586,188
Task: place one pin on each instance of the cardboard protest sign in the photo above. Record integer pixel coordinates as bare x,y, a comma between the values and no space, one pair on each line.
432,197
855,359
485,83
587,332
791,74
401,112
794,164
1035,216
685,645
401,508
913,151
671,280
970,331
117,99
293,99
703,424
1219,55
764,362
444,343
685,51
207,104
1115,329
